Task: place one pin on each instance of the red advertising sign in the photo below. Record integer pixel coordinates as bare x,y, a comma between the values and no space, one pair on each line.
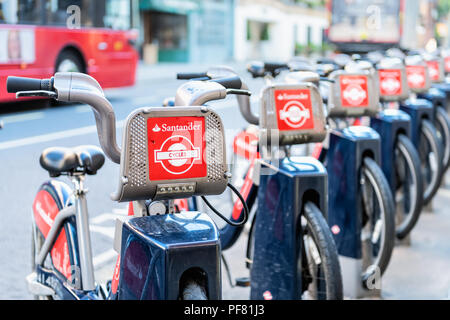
390,82
175,148
416,76
447,64
294,110
433,70
354,92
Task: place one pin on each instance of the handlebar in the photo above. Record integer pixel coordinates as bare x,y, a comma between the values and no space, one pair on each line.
75,87
190,75
232,82
17,84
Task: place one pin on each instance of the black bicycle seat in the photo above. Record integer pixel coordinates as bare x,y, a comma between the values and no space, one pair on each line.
60,160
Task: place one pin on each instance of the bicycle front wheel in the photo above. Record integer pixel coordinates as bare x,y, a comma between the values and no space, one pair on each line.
430,152
318,266
443,129
409,186
378,220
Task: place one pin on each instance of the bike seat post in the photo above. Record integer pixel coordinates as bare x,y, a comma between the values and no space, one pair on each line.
84,239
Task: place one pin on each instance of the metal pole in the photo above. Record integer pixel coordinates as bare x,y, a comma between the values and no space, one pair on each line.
84,240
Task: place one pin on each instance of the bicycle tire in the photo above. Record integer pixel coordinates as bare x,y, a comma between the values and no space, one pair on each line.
408,152
192,290
323,239
443,126
430,144
383,193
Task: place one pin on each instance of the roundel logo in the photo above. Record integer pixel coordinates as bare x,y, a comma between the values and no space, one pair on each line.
295,114
294,111
175,148
390,82
354,92
433,70
416,76
447,64
177,154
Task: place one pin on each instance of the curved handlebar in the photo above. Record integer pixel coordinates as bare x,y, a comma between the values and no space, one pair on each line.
77,87
233,81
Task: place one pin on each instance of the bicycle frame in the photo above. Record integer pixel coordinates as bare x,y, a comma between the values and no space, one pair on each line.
281,196
146,245
417,109
343,160
158,253
389,124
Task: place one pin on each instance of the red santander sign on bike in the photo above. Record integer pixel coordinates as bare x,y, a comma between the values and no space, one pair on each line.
175,148
294,109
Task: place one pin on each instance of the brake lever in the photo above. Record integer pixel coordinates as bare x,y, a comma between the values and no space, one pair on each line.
37,93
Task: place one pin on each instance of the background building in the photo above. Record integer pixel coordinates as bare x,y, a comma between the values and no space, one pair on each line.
275,29
186,30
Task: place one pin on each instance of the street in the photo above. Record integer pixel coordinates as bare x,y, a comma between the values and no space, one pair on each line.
416,271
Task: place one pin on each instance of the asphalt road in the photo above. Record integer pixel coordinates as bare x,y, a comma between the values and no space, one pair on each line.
416,271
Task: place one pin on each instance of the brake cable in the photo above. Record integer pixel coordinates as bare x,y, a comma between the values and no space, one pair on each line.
244,203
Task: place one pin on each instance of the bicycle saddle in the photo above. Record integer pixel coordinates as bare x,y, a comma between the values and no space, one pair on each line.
60,160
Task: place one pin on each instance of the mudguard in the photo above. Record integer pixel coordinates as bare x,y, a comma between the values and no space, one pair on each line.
51,198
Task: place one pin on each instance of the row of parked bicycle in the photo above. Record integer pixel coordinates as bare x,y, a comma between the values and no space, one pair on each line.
322,225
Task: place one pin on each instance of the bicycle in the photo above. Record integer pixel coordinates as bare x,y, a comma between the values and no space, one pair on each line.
439,95
362,221
306,233
167,153
269,71
424,108
400,160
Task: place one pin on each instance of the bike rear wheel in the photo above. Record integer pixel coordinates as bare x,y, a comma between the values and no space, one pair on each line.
318,266
192,290
430,153
378,220
409,187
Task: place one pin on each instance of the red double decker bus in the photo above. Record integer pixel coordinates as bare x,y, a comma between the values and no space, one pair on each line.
41,37
366,25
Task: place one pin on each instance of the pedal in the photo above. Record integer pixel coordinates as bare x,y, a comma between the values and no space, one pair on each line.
36,288
243,282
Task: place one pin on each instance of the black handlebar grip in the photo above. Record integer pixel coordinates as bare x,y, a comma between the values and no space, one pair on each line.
191,75
272,66
230,83
16,84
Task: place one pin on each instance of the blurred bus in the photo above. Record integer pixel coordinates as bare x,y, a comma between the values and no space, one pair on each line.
41,37
366,25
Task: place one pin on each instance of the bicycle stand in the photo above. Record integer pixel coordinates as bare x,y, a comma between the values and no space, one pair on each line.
389,123
281,196
163,248
346,151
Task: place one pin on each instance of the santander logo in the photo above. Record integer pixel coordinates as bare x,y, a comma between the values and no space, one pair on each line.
176,128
